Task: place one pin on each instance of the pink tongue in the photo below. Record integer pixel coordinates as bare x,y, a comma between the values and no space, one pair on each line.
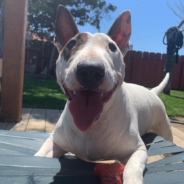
85,107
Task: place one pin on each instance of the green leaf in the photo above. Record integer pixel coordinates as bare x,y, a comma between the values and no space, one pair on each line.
42,14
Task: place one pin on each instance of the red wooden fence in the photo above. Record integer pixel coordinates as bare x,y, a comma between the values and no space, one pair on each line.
142,68
146,69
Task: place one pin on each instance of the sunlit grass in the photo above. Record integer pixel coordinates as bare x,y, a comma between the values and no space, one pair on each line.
39,93
174,103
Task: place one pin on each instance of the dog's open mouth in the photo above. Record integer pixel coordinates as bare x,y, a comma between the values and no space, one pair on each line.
86,106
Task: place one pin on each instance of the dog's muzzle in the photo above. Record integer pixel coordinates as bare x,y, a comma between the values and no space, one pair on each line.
90,74
86,104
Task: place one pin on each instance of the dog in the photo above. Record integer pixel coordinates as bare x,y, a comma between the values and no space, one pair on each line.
104,117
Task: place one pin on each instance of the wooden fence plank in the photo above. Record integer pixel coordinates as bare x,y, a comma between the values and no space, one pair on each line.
176,76
182,74
147,70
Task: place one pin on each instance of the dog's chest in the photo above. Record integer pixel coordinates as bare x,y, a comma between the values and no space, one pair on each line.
90,146
97,145
93,152
90,149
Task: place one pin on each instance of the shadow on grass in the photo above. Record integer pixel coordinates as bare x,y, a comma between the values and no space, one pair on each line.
177,97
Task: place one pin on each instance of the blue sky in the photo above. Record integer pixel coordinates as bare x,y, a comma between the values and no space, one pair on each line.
150,20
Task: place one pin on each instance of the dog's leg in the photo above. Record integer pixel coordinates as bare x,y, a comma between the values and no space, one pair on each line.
134,168
163,128
50,149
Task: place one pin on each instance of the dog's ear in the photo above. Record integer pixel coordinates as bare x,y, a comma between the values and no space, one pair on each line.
121,30
65,27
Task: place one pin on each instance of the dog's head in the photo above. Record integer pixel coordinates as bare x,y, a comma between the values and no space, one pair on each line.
90,67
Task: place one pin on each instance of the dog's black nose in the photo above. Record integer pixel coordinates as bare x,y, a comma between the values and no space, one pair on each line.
90,74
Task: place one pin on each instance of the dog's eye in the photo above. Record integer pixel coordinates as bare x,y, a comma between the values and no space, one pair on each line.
71,44
112,47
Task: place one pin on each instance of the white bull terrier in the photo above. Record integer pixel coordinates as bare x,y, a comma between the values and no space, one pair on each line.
104,117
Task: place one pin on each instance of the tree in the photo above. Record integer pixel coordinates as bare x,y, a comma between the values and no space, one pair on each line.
42,14
180,9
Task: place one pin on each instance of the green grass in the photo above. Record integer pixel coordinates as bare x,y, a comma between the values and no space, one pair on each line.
40,93
46,94
174,103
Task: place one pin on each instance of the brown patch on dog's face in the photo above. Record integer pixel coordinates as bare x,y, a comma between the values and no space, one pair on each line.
73,45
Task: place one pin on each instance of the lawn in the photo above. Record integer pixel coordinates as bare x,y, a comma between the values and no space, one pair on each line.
174,103
39,93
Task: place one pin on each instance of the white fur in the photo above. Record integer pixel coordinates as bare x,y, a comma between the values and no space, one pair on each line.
161,86
129,114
